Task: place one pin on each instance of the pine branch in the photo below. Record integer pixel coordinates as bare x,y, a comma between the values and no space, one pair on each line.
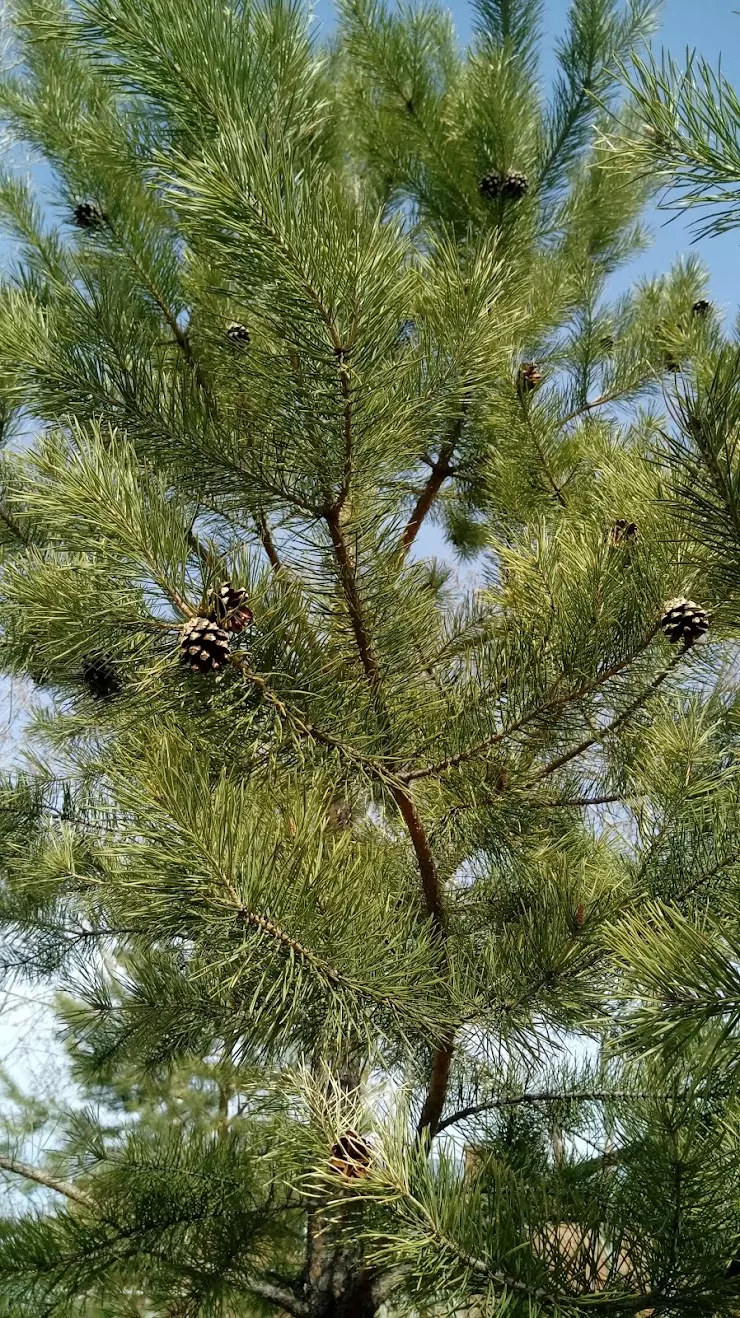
284,1299
604,1302
308,730
707,876
344,384
292,946
273,931
427,867
441,469
67,1188
13,525
524,408
579,803
266,1290
388,75
611,397
348,580
542,1096
268,543
548,706
437,1087
430,882
180,336
610,728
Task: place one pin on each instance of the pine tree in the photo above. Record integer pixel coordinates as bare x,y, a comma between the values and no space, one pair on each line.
348,854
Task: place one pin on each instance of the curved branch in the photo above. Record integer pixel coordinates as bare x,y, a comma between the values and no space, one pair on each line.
284,1299
67,1188
543,1096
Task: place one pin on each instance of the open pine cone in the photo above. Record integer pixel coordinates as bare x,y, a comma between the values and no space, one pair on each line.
622,533
529,377
350,1156
88,216
204,646
228,607
683,620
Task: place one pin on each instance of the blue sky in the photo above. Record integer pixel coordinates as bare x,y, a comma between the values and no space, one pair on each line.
712,27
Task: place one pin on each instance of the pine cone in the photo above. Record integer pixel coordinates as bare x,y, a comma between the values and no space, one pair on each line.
622,533
515,186
100,675
701,307
509,186
204,646
683,620
88,216
529,377
227,606
350,1156
237,333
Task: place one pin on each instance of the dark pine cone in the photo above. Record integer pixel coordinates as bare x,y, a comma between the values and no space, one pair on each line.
621,533
237,333
88,216
100,675
529,376
350,1156
509,186
701,307
228,607
683,620
204,646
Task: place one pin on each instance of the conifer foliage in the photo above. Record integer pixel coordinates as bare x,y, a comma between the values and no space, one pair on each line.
338,853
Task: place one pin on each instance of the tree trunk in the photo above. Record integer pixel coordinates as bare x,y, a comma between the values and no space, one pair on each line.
337,1285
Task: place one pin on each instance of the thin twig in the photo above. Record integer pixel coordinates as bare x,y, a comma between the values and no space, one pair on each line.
578,803
588,407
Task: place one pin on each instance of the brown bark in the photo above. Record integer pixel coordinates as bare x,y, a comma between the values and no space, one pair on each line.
431,1112
441,469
